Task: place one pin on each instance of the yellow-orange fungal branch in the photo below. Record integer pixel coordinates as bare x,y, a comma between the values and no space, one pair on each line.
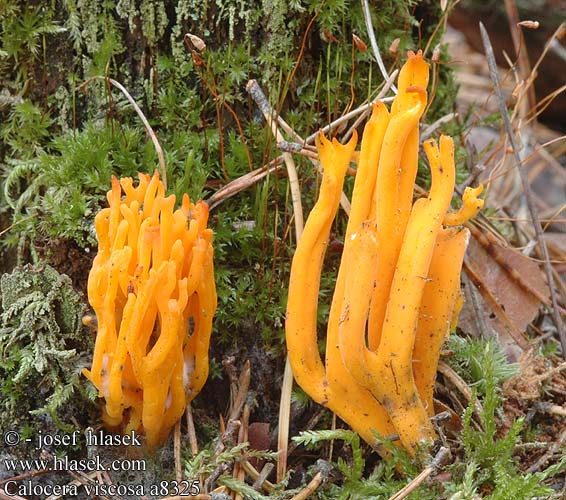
471,205
393,381
302,304
153,264
392,201
413,80
339,392
438,309
365,410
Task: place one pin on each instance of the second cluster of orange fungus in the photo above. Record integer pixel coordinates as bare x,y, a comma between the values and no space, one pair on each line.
152,289
398,286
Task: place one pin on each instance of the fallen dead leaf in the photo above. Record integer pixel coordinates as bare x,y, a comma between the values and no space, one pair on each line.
499,305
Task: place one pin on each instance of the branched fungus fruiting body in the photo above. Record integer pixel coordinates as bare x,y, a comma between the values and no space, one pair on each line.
152,289
398,286
331,385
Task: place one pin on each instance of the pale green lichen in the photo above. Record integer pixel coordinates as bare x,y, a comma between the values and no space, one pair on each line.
154,20
40,337
127,9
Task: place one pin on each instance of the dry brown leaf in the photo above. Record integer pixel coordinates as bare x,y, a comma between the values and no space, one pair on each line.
258,437
527,384
501,306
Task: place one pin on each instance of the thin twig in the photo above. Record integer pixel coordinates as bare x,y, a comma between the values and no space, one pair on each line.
284,420
461,385
366,112
441,457
177,451
526,187
310,488
520,52
25,475
344,118
261,480
556,445
259,97
150,131
243,182
550,373
546,407
427,132
243,387
239,472
255,475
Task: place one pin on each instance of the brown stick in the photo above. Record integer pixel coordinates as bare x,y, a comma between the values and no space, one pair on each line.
25,475
191,430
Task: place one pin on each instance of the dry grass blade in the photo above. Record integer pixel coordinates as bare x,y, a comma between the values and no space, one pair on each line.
191,430
386,87
427,132
284,421
526,187
243,387
239,472
344,118
147,126
375,48
462,387
520,52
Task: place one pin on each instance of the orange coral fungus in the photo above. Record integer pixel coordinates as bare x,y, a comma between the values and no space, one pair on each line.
152,288
398,286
